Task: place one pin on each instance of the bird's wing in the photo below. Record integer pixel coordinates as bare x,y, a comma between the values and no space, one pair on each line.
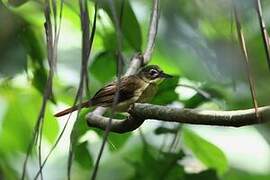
127,88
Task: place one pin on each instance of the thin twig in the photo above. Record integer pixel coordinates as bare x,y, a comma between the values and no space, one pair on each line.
116,96
152,32
264,32
52,43
51,51
87,42
245,54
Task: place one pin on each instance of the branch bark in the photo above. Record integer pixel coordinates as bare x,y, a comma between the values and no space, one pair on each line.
142,112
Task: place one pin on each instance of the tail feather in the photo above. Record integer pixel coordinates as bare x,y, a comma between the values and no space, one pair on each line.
72,109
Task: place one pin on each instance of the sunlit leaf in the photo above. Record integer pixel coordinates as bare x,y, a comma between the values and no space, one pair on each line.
82,155
127,21
207,153
208,174
23,107
163,165
17,2
237,174
103,67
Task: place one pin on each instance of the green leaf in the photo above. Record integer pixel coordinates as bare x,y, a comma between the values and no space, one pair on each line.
166,93
209,154
237,174
82,155
165,130
208,174
13,53
17,2
103,67
6,170
80,127
50,128
195,101
128,22
117,141
23,106
34,45
163,165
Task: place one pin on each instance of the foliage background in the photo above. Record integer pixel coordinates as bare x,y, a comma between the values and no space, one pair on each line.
196,42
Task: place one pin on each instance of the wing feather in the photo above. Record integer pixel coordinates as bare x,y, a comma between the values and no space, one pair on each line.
127,88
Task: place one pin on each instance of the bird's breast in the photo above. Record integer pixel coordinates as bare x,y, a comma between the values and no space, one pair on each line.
148,93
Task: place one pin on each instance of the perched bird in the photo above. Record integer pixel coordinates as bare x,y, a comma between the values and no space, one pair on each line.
138,88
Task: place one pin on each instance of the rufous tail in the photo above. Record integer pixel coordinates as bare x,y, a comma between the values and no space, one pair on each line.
72,109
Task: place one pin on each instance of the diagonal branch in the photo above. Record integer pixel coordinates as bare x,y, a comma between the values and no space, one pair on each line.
242,42
142,112
264,32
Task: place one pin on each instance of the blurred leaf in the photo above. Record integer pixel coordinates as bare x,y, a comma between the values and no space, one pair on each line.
17,2
128,22
35,45
16,44
80,127
50,128
237,174
163,165
6,170
195,101
117,141
207,175
103,67
165,130
82,155
23,106
13,54
109,41
214,93
166,93
207,153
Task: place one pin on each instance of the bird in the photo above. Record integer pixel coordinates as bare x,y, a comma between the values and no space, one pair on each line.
138,88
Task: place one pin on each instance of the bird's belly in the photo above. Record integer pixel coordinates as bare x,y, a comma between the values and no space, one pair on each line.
123,106
141,96
148,93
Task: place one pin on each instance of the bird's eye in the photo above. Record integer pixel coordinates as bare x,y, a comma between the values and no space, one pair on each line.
153,72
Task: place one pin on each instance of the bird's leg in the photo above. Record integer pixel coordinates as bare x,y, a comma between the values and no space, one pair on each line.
131,108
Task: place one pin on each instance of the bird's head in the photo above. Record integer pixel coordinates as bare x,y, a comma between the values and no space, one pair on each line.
152,74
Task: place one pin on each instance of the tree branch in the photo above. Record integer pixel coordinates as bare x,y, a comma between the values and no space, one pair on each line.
142,112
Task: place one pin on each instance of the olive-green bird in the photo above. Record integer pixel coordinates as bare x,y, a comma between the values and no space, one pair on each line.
138,88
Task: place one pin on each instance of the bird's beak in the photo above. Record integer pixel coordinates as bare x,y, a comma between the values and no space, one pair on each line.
164,75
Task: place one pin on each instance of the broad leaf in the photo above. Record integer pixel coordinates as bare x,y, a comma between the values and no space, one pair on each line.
23,106
127,21
17,2
207,153
103,67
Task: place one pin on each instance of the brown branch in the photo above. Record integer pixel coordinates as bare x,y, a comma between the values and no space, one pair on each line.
242,42
142,112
